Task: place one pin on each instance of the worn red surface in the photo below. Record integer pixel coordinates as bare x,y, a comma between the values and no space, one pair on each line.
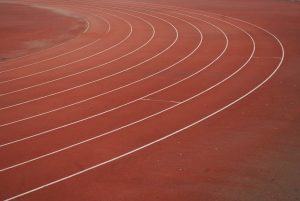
157,102
28,29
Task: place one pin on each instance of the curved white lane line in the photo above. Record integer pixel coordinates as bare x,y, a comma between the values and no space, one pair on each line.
66,53
140,120
76,61
93,116
87,26
11,61
169,135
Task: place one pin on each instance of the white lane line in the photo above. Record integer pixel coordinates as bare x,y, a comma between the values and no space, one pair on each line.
73,62
167,136
96,115
120,156
157,100
87,26
93,97
145,118
66,53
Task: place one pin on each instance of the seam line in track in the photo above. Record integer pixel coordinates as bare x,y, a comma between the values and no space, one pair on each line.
159,100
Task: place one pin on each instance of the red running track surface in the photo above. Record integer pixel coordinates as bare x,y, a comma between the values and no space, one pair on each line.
169,101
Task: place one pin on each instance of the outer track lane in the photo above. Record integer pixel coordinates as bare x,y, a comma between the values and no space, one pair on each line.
151,125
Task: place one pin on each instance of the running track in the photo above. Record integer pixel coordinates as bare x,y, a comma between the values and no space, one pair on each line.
146,74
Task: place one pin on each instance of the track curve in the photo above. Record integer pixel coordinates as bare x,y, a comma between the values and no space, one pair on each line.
95,118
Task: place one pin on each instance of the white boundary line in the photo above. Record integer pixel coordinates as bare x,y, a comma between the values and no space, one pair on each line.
76,61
